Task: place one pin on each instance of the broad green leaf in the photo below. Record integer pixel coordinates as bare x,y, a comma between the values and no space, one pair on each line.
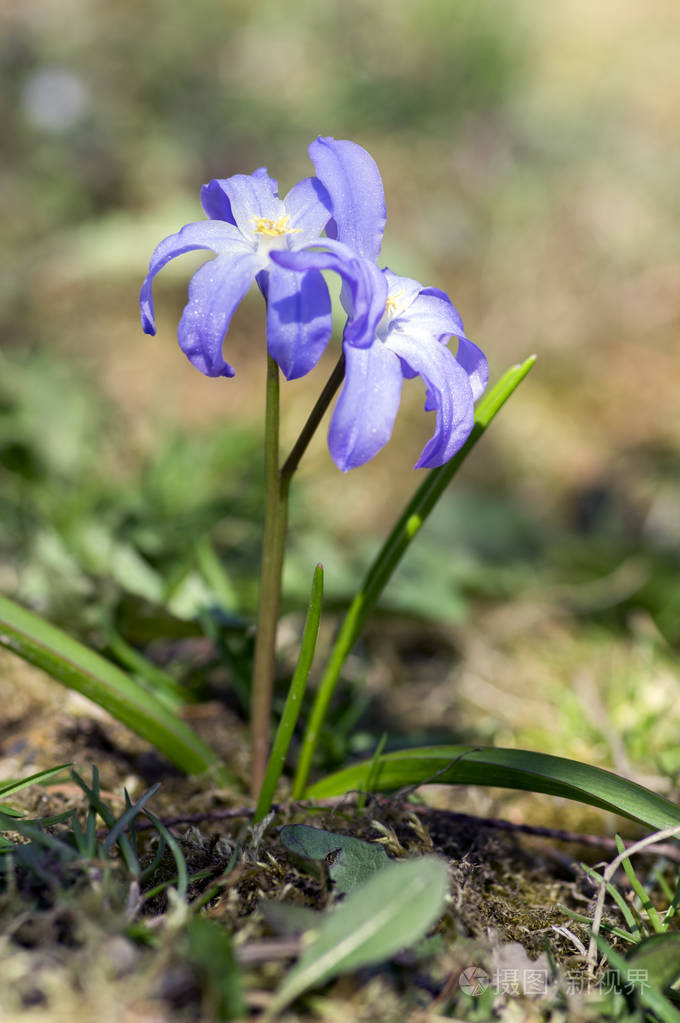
406,528
387,913
648,994
80,668
350,861
507,768
659,955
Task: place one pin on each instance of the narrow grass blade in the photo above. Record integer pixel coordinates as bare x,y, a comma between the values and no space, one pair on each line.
93,796
129,815
640,891
387,913
373,771
635,930
98,805
616,932
507,768
178,855
35,833
291,710
675,902
387,559
158,682
8,788
151,868
85,839
80,668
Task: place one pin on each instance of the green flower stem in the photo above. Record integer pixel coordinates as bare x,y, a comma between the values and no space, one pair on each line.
315,417
277,486
388,558
294,699
273,541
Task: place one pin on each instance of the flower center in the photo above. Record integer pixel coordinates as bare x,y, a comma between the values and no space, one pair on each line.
274,228
393,307
392,304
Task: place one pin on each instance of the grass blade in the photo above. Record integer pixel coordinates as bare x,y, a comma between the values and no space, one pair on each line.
178,855
507,768
8,788
128,816
80,668
639,889
636,933
156,681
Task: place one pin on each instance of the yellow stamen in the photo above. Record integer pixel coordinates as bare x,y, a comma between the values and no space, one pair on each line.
274,228
392,303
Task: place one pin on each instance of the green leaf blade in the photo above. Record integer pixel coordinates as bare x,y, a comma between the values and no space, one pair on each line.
351,861
77,667
659,954
507,768
388,557
8,788
391,911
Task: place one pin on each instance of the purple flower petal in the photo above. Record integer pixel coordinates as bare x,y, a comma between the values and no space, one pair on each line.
363,281
309,207
250,197
215,201
352,179
473,361
214,235
214,292
364,415
436,313
299,321
448,392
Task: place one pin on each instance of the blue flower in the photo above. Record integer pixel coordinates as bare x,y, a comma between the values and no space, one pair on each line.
395,328
247,222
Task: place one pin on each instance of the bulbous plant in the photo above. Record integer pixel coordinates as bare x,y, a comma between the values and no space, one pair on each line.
395,329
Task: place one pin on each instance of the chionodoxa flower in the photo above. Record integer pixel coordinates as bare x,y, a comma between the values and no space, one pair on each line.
395,327
247,222
401,333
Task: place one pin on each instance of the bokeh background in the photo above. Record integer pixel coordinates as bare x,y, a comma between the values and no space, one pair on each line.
531,155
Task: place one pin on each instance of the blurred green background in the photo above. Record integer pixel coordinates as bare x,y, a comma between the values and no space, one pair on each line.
530,154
